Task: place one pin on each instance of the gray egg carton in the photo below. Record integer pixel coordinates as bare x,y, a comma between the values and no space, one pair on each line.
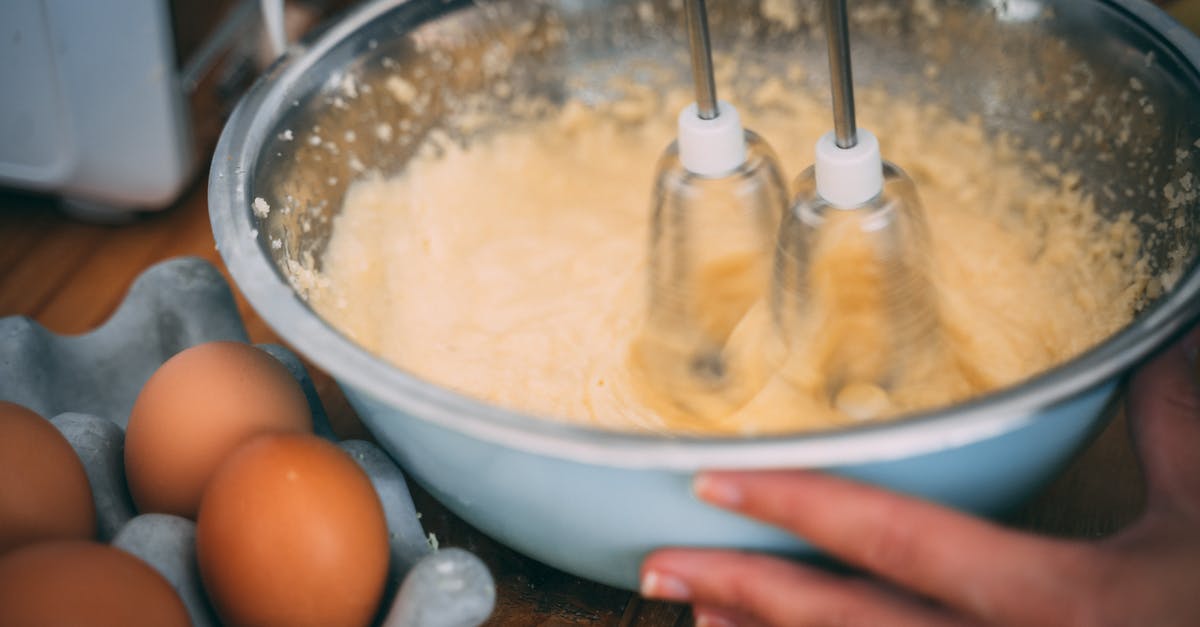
88,383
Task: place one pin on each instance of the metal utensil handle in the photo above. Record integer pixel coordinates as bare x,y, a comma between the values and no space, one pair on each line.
837,31
273,20
702,64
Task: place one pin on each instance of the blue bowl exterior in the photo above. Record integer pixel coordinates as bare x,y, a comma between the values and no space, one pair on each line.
599,522
597,519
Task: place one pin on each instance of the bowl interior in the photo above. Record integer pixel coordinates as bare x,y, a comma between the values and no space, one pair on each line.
1095,86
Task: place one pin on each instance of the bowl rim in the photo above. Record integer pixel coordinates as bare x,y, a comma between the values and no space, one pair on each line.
231,177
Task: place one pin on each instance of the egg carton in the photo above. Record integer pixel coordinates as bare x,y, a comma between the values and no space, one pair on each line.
89,383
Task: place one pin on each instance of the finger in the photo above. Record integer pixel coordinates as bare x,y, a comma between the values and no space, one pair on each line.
1164,411
972,565
777,592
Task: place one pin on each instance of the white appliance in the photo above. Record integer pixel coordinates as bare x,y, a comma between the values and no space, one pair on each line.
91,106
95,106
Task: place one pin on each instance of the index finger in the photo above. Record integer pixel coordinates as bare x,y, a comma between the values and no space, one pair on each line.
964,562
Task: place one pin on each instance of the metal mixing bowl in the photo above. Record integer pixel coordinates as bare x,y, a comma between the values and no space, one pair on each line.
1119,75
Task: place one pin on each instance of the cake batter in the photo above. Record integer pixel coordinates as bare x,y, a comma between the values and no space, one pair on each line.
514,271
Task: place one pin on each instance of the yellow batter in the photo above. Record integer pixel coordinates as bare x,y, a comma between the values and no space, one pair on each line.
514,271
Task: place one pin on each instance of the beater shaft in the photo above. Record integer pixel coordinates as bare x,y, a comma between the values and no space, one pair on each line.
837,31
702,64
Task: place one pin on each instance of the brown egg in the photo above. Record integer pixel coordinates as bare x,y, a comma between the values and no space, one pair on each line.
195,410
291,532
44,492
74,582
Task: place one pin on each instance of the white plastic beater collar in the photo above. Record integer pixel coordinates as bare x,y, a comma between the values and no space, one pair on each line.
713,147
849,177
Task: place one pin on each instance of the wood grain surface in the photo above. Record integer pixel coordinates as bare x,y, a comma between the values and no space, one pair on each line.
70,276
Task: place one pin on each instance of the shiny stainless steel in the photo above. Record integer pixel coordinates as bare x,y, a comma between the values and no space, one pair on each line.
700,46
1013,79
841,75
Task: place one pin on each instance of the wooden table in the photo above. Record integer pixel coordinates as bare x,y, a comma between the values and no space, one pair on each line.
70,276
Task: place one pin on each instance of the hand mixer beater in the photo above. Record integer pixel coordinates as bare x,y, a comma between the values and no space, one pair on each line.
718,200
852,295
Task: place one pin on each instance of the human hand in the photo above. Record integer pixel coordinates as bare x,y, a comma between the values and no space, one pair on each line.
936,566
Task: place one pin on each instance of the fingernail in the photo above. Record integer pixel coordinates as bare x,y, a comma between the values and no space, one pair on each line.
656,585
704,619
717,491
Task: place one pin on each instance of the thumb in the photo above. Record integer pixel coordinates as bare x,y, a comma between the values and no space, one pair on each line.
1164,410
